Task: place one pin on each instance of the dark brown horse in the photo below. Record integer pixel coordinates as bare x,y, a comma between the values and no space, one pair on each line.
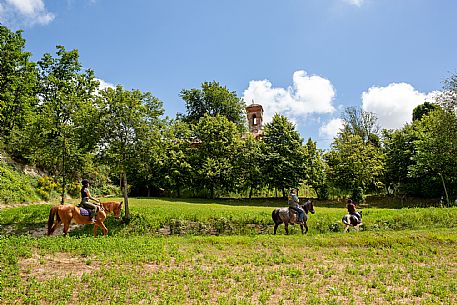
67,213
289,216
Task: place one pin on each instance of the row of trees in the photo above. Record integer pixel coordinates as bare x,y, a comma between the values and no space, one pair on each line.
54,115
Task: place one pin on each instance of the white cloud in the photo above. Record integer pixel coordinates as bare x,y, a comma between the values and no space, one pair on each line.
308,94
355,2
330,129
104,84
29,12
394,104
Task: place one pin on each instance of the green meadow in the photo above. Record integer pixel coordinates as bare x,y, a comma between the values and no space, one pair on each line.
224,252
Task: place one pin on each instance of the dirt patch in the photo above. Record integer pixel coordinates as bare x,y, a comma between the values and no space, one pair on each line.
23,204
54,265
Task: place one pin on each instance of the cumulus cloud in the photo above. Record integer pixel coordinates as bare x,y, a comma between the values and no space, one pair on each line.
104,84
329,130
308,94
394,104
29,12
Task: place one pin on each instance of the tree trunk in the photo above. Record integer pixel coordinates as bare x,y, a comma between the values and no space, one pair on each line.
126,197
63,171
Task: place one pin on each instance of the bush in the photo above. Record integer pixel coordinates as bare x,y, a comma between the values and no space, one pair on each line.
15,186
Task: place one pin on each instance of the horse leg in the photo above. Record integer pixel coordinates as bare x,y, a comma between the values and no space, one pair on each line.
54,227
95,229
346,229
105,230
286,226
66,227
301,227
306,228
276,227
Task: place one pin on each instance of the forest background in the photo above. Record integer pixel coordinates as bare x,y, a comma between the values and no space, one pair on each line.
56,119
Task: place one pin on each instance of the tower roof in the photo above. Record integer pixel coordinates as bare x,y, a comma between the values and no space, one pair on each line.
254,107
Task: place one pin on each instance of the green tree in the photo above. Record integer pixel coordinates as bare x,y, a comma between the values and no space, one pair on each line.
423,109
361,123
213,99
52,137
249,163
355,166
213,155
316,169
285,156
129,120
399,149
18,81
435,159
176,164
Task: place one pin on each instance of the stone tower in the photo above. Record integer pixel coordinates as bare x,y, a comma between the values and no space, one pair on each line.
255,119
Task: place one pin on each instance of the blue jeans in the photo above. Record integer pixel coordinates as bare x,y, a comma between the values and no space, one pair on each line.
301,213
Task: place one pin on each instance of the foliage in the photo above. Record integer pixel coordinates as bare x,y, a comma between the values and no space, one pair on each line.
128,121
215,154
436,151
354,164
361,123
423,109
18,81
15,186
316,169
47,187
214,99
284,154
249,162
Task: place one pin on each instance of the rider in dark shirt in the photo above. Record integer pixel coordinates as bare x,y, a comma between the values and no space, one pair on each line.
352,210
85,196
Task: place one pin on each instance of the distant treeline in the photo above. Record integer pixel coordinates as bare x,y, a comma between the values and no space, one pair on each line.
55,116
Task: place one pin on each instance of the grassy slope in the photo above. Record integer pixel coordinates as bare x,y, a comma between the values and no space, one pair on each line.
399,259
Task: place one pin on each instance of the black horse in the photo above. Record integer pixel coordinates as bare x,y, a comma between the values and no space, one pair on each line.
289,216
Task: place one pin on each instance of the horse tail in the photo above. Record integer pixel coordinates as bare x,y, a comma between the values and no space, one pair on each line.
53,213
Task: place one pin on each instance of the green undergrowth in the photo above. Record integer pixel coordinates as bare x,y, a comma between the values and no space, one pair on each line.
16,186
161,217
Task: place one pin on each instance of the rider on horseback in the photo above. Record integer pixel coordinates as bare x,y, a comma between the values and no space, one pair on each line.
352,210
85,196
293,204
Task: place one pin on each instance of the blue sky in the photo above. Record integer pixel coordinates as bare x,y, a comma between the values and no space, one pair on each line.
306,59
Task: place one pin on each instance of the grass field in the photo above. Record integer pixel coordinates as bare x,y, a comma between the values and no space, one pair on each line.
203,252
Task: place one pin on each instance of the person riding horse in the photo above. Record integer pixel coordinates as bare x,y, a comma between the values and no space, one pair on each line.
352,210
85,196
293,204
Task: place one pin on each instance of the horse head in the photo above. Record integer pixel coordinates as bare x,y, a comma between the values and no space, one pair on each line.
117,210
308,207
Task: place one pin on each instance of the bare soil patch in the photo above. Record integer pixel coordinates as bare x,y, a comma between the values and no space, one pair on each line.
58,265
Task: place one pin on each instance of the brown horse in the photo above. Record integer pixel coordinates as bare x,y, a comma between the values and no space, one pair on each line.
112,207
289,216
67,213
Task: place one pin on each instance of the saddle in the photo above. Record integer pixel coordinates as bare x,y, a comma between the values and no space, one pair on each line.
293,216
85,212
